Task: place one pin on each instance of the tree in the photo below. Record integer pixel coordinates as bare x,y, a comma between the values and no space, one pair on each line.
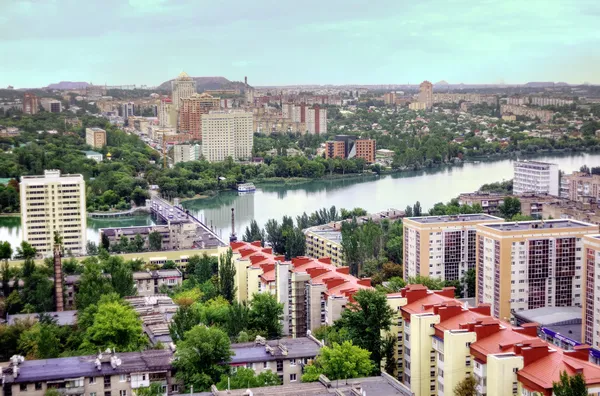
201,358
186,317
52,392
169,264
91,248
417,211
155,389
105,242
155,241
570,385
41,341
238,318
246,378
227,276
466,387
115,326
342,361
470,280
121,277
429,282
92,286
366,320
201,268
265,315
253,232
388,349
137,245
25,251
510,207
408,212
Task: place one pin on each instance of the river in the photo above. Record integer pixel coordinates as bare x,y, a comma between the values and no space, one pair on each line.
369,192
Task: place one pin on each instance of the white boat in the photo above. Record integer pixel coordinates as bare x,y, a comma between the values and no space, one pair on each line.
246,187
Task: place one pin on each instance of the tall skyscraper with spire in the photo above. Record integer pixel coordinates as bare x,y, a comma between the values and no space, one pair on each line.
182,87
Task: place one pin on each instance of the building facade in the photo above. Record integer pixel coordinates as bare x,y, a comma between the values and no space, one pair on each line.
227,134
346,147
426,94
535,177
443,247
532,264
31,103
441,341
182,87
167,113
581,185
95,137
191,110
591,289
53,203
186,152
316,120
149,283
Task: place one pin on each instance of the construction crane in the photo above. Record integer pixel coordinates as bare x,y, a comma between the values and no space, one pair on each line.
164,152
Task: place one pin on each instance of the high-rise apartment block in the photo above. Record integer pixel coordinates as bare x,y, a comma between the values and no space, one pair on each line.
313,291
426,94
53,203
167,114
127,110
443,247
536,177
591,290
580,185
346,146
182,87
186,152
227,134
316,120
441,341
30,103
191,110
531,264
95,137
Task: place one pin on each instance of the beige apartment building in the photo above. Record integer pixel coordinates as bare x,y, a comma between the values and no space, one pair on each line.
227,134
591,289
167,113
580,185
105,374
53,203
443,247
182,87
149,283
95,137
426,94
531,264
284,357
191,110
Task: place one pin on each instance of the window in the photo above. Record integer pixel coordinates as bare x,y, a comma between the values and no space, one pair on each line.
123,393
292,362
23,387
292,377
107,393
92,380
468,361
107,381
122,377
38,386
174,388
92,393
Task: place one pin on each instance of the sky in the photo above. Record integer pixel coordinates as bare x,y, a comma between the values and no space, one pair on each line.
284,42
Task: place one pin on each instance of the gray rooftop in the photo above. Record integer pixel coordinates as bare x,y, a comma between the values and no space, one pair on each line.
547,316
90,152
252,352
454,218
157,274
64,318
538,224
83,366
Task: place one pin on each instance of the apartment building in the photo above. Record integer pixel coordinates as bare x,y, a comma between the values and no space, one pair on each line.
313,292
191,110
535,177
470,98
106,374
326,240
591,289
31,103
417,106
227,134
182,87
532,264
285,357
441,341
529,112
547,101
531,204
127,110
316,120
167,113
443,247
151,282
186,152
346,146
426,94
581,185
95,137
53,203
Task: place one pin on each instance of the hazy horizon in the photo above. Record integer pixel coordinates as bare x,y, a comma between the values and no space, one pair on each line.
147,42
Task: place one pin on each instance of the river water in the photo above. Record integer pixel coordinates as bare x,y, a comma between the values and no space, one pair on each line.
369,192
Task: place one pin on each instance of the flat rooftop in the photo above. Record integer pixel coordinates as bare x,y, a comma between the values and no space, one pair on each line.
63,318
538,163
454,218
547,316
249,352
538,225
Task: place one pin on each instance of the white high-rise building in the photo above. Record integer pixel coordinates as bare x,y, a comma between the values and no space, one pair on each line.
186,152
227,134
536,177
316,120
182,87
53,203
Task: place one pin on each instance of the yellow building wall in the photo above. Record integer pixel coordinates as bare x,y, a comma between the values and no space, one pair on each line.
501,374
456,350
397,331
420,340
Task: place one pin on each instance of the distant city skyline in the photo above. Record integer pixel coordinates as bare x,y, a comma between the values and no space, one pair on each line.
147,42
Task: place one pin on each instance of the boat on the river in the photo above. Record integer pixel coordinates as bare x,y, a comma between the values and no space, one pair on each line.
246,187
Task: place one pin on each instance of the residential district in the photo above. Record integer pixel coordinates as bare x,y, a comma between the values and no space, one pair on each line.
493,293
